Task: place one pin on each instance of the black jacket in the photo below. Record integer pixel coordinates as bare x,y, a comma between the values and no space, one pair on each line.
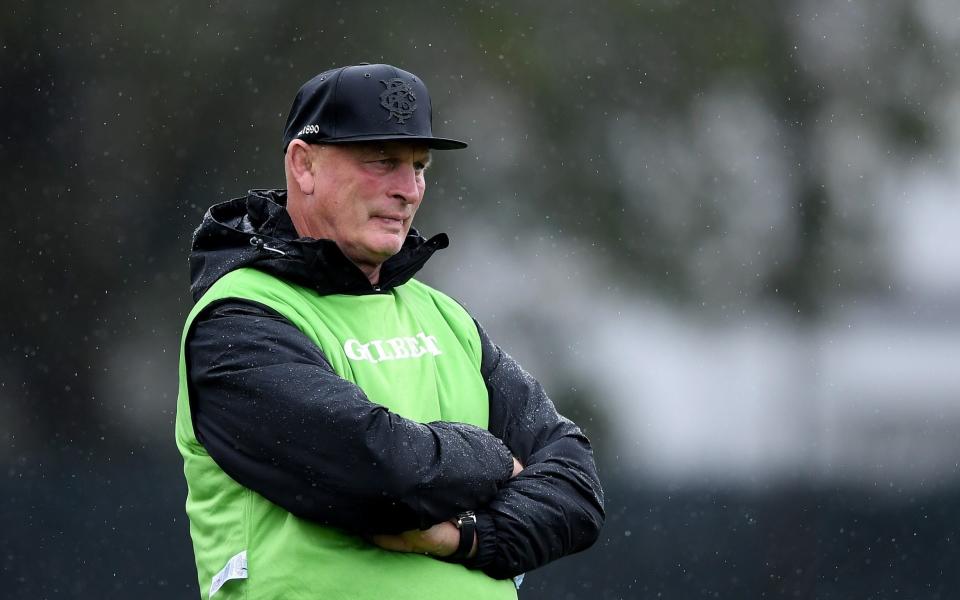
274,415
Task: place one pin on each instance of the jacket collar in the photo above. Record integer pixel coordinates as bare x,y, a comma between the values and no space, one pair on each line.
256,231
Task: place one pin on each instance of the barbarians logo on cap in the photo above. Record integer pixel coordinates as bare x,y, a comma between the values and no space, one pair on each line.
399,99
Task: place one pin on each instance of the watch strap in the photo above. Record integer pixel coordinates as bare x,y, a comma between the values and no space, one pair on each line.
466,522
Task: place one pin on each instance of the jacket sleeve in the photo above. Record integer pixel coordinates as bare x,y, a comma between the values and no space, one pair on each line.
272,413
552,508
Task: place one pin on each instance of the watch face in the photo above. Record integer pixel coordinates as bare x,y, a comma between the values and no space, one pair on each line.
465,518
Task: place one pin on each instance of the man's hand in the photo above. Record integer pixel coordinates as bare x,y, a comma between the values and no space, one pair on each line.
440,540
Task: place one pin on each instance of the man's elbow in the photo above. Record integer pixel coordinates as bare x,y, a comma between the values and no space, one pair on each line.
591,519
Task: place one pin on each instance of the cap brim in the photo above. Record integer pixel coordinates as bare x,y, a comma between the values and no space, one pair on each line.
434,143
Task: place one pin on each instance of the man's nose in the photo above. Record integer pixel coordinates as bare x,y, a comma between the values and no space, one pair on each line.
405,183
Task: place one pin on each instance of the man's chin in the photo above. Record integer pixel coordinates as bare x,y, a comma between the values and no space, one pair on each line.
385,247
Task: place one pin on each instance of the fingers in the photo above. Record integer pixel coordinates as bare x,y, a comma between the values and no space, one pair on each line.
439,540
394,543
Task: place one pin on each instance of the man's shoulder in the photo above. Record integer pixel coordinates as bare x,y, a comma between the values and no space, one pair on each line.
417,288
252,285
250,280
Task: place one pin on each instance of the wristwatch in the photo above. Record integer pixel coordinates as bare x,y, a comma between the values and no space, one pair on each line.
466,522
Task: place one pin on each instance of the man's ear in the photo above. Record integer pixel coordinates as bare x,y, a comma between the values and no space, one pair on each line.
299,161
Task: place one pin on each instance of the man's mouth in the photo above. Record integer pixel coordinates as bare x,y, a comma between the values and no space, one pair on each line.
398,219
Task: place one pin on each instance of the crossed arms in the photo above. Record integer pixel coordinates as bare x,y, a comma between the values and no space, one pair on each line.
274,415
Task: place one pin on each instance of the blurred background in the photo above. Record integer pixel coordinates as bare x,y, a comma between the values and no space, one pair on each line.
723,234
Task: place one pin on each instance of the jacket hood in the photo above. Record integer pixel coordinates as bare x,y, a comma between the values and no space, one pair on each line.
256,231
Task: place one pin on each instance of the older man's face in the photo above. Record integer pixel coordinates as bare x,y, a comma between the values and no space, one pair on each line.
365,197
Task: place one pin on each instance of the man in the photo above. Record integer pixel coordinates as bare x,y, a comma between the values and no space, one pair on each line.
347,431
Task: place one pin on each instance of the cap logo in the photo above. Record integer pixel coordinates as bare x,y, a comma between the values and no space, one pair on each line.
399,99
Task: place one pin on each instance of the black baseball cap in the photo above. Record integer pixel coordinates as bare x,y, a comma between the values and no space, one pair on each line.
364,103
